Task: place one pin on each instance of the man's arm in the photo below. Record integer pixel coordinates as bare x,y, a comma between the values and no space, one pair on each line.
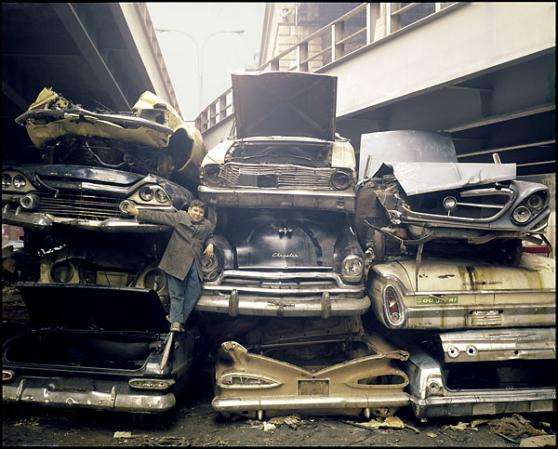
151,216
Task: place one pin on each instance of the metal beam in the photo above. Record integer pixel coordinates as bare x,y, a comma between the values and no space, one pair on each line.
16,98
71,21
531,164
503,118
501,150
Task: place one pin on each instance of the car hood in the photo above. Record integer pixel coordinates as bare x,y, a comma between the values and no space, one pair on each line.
93,307
284,104
424,161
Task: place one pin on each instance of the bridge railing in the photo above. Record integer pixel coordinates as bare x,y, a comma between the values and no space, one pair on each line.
364,26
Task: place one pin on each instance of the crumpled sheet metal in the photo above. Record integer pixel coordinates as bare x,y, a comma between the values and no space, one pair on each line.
416,178
81,124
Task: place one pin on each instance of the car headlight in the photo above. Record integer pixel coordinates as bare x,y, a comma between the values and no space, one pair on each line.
353,267
161,196
155,280
6,180
536,201
210,175
19,181
394,310
29,201
340,180
521,214
146,193
64,272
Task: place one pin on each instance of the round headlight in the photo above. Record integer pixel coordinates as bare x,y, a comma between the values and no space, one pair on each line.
211,175
146,193
161,196
353,267
450,203
29,201
393,307
155,280
19,182
521,214
6,180
535,201
340,180
63,272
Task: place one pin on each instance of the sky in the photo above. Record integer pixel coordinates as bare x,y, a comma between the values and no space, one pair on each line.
222,53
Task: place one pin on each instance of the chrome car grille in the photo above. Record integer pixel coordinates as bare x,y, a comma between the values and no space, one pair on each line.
484,204
276,176
80,206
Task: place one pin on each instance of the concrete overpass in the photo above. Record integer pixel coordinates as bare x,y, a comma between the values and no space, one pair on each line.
96,54
482,71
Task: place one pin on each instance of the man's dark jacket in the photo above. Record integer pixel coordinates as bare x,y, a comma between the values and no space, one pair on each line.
187,241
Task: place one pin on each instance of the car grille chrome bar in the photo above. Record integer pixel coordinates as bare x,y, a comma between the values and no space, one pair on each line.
77,206
285,175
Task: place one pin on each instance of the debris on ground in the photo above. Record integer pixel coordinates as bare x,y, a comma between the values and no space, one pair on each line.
390,422
514,428
268,426
293,421
122,435
538,441
431,435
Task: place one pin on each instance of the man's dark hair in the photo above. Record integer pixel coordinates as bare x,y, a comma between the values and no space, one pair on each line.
197,203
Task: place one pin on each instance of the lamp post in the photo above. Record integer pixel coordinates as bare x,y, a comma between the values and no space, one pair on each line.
199,53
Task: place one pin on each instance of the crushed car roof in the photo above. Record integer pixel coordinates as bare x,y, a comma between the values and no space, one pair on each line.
284,104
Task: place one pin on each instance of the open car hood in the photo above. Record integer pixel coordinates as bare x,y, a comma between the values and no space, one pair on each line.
93,307
284,104
424,161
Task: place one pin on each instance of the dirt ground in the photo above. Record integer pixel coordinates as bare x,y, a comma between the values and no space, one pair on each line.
194,423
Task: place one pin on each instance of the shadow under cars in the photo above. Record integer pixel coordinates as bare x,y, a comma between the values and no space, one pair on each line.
286,152
96,347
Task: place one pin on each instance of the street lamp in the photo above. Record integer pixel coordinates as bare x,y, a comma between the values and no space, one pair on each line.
199,52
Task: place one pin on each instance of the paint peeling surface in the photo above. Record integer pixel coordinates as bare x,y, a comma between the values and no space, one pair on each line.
450,294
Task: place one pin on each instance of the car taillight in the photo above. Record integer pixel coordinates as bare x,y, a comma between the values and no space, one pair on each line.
151,384
393,306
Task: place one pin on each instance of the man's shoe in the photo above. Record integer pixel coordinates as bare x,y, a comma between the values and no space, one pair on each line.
176,327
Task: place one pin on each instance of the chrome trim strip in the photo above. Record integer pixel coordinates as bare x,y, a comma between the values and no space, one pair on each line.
264,191
395,399
283,291
283,306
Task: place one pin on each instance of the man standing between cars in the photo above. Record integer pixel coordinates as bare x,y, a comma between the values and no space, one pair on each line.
182,258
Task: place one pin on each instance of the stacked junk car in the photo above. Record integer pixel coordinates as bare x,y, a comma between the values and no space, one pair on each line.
340,283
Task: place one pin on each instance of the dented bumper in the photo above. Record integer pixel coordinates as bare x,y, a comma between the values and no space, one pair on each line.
281,198
84,393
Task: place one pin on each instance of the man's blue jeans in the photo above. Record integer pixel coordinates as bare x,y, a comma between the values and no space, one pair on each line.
184,295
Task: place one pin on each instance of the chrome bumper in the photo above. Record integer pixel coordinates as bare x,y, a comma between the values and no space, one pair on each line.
281,198
429,396
235,304
50,391
314,404
499,344
38,221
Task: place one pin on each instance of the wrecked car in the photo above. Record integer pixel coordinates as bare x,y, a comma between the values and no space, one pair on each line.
483,372
312,367
151,139
458,293
38,197
285,152
96,347
284,263
412,190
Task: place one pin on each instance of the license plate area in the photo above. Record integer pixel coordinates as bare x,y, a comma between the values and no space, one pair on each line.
313,387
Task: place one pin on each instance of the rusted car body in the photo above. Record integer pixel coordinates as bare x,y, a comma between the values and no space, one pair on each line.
41,197
412,190
151,139
464,294
284,263
508,385
286,152
313,367
86,350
